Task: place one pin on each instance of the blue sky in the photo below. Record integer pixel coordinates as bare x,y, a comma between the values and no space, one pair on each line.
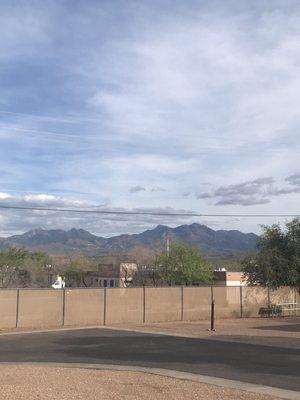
154,105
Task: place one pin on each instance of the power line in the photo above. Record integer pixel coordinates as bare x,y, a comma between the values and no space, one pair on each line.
146,213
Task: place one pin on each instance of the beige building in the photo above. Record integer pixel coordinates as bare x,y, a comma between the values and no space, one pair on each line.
111,275
229,278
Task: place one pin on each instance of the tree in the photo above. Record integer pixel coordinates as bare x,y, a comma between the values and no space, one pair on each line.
184,265
77,270
37,265
278,260
11,261
146,266
20,267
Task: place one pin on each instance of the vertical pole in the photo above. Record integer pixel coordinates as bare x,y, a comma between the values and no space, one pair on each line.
269,304
17,308
63,306
212,314
144,304
241,300
104,305
182,302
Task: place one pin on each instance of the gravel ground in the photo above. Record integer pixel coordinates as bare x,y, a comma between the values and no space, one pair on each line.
35,383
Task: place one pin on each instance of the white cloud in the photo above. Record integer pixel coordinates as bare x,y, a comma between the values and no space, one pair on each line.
249,193
18,221
141,96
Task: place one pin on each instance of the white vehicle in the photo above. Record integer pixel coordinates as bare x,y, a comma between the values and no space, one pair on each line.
59,283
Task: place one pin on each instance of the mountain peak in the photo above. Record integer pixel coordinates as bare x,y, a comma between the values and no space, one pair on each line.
209,241
33,232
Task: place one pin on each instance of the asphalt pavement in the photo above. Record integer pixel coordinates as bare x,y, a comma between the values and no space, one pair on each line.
264,365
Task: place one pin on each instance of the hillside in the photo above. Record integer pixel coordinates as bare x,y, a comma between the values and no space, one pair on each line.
211,242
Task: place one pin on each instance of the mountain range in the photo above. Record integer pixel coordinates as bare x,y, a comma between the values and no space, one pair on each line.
58,241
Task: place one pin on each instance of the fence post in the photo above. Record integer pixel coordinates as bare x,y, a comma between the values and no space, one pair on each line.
144,304
17,308
182,289
63,306
269,299
212,314
241,300
104,307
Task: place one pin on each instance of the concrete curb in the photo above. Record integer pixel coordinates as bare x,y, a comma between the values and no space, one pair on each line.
49,330
109,327
210,380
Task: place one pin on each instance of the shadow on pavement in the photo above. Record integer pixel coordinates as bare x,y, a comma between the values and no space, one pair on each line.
283,328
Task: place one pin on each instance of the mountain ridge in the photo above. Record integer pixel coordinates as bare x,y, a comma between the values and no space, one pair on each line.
59,241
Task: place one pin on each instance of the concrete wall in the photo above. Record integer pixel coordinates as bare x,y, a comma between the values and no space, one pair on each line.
8,308
124,305
45,308
196,303
163,304
40,308
227,302
84,307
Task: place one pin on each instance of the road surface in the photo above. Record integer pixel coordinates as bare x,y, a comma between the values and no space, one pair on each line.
266,365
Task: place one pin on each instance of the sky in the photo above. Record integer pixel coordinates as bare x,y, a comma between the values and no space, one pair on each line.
172,106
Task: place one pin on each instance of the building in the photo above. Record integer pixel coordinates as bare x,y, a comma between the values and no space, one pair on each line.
229,278
111,275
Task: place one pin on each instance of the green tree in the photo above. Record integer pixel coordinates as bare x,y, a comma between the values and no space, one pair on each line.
184,265
278,260
75,274
20,267
11,263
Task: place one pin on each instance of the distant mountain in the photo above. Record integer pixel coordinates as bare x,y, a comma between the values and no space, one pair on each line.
58,241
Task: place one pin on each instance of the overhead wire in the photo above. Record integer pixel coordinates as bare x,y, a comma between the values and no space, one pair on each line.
145,213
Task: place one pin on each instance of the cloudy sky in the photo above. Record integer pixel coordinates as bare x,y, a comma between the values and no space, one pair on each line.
149,105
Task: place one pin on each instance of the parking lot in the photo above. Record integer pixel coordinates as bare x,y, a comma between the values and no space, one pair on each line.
263,364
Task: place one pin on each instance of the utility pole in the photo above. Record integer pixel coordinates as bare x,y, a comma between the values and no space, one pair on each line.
168,246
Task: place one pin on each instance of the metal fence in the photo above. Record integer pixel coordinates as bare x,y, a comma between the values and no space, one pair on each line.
46,308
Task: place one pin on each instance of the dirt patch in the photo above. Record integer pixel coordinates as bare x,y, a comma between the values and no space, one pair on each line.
283,332
34,382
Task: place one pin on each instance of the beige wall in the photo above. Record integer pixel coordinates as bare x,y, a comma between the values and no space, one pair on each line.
8,308
124,305
163,304
297,300
285,295
196,303
282,295
40,308
44,308
227,302
253,299
84,307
